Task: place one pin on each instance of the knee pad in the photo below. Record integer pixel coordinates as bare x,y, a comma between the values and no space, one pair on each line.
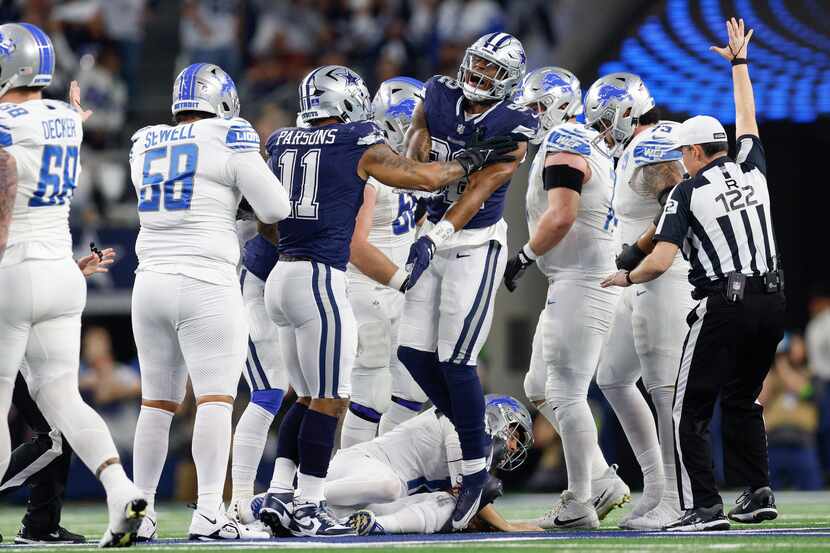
372,388
575,416
374,345
270,400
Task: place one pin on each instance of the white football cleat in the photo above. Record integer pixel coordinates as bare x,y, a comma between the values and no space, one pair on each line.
126,512
240,511
220,527
570,513
609,492
656,519
148,530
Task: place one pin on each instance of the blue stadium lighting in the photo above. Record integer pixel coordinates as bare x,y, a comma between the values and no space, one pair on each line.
671,53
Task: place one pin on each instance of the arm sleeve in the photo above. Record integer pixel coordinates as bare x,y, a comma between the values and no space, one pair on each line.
675,221
751,154
452,446
260,186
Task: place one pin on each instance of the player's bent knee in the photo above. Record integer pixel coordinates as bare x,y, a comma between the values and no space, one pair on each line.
214,398
372,388
329,406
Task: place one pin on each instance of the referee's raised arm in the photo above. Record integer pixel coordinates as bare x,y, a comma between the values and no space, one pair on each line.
735,52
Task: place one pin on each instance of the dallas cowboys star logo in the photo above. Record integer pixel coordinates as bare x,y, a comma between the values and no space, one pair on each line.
351,78
522,57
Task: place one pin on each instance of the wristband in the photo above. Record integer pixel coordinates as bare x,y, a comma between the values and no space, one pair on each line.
442,230
528,252
739,61
398,279
628,278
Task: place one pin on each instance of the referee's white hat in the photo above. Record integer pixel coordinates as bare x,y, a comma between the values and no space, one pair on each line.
700,129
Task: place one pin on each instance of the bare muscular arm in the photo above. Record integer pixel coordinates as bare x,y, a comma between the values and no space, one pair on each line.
417,141
381,162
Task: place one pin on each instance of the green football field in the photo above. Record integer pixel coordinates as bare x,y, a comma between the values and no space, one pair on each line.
804,525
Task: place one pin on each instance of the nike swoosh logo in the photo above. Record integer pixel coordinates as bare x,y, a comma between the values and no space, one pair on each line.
212,521
459,256
551,302
561,522
640,292
307,526
598,500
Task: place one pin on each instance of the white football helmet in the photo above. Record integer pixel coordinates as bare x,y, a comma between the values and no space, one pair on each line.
27,57
509,424
334,91
205,87
501,50
394,104
613,106
553,93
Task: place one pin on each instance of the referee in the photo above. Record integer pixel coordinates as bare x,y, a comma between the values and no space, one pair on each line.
721,219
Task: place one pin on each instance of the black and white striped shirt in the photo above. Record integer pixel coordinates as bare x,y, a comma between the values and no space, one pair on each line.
721,217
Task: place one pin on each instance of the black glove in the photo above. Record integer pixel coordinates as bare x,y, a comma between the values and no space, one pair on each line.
630,257
516,267
487,152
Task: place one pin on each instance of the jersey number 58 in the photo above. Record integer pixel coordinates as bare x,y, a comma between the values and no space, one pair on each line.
177,182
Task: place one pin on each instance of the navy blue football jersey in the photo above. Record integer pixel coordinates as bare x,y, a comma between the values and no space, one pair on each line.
451,132
318,167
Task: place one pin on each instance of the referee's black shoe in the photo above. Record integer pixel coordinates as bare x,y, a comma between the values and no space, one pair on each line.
700,519
60,535
755,507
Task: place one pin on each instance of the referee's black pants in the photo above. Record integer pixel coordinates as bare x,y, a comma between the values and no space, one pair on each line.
41,463
728,351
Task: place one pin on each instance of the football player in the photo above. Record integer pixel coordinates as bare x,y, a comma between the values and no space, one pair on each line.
325,165
447,315
571,241
382,390
187,310
649,325
40,144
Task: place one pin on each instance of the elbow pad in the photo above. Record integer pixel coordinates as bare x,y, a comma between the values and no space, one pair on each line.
562,176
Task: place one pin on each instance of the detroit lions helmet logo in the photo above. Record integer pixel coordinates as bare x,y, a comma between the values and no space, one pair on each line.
553,80
7,46
402,109
608,92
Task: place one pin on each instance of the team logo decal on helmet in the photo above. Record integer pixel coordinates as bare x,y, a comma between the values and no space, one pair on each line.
393,106
553,93
7,45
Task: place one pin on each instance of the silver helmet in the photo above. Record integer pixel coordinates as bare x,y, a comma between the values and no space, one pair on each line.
394,104
614,104
508,421
334,91
205,87
502,50
27,57
553,93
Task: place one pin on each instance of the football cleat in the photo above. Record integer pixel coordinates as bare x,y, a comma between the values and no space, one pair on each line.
365,523
220,527
754,507
276,511
315,520
469,499
148,530
700,519
656,519
570,513
610,492
128,518
61,535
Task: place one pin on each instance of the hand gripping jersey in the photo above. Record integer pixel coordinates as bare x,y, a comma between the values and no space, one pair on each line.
393,225
318,167
185,178
44,136
452,130
424,452
588,248
634,210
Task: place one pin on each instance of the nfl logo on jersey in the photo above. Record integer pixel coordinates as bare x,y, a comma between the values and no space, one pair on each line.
460,129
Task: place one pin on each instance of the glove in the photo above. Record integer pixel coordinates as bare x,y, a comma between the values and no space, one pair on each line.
420,255
630,256
490,151
516,267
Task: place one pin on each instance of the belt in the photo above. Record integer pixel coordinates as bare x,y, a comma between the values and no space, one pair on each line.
293,258
769,283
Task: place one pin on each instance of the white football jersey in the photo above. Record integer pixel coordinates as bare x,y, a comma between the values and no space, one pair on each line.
636,211
423,451
393,225
188,196
588,248
44,136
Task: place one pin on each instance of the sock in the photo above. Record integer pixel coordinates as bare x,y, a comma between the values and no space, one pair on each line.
248,443
467,399
115,481
662,398
211,449
316,442
359,425
426,371
472,466
579,437
285,470
400,411
152,435
289,437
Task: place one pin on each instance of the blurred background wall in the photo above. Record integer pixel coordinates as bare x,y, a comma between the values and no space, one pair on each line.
126,53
